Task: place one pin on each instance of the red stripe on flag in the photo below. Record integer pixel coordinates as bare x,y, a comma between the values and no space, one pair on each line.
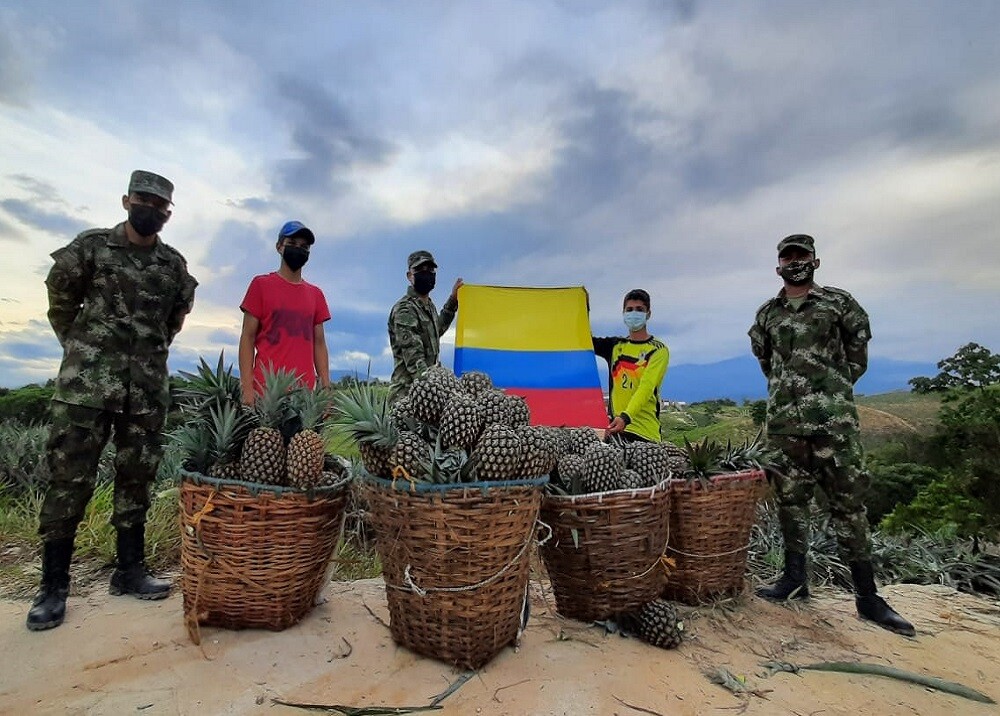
572,407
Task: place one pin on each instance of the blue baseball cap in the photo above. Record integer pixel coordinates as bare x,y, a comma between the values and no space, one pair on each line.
296,228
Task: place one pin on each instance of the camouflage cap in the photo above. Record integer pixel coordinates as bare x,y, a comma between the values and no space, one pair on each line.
149,183
418,258
802,241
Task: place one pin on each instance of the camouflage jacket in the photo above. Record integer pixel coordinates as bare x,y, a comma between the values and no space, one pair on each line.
415,331
812,357
115,308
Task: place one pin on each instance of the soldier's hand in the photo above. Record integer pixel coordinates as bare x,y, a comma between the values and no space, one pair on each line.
454,289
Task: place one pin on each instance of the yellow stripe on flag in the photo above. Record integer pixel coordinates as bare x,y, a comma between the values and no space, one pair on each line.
523,319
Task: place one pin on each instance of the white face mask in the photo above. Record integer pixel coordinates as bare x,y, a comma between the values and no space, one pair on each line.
635,320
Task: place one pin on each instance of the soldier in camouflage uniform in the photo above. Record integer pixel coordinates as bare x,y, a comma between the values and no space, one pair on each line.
117,298
812,345
415,327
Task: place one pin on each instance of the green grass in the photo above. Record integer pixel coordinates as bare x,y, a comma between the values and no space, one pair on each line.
694,424
919,410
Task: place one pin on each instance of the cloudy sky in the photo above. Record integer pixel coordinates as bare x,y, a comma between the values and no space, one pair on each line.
667,145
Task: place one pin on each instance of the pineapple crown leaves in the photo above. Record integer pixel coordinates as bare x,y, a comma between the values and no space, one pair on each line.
362,410
208,387
195,444
230,425
705,459
312,407
447,465
273,406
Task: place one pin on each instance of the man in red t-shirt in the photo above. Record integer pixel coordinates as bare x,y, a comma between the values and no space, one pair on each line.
283,318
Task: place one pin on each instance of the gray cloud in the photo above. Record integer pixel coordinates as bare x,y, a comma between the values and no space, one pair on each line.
325,132
56,222
254,204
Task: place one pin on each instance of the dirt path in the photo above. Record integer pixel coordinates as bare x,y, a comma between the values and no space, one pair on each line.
116,655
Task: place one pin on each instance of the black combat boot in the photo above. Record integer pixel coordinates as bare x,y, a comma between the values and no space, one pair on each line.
871,606
49,607
791,584
130,575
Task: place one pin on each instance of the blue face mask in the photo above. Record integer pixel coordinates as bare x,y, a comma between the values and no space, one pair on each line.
635,320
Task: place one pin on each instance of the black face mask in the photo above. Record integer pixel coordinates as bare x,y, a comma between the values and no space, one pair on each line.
798,273
423,282
295,257
146,220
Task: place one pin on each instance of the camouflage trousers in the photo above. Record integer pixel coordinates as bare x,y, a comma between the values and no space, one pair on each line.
77,437
835,464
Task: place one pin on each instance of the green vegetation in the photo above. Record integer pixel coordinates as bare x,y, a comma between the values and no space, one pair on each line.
933,459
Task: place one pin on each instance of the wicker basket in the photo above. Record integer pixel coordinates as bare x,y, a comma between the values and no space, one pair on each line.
254,556
455,560
604,555
710,535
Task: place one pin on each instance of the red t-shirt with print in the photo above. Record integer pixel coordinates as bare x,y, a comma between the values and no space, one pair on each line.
288,315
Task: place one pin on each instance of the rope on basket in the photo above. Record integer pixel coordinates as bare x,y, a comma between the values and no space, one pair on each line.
410,586
191,619
710,556
662,560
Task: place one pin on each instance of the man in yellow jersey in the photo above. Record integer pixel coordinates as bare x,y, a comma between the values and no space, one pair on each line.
637,365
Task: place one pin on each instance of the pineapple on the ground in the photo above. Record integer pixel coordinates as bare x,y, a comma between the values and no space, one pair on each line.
656,623
306,449
263,458
363,411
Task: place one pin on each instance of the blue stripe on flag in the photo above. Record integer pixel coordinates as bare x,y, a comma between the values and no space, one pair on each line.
530,369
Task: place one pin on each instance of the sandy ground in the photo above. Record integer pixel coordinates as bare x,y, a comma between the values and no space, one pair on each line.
117,655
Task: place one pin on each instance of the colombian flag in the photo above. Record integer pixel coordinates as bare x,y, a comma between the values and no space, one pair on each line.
533,342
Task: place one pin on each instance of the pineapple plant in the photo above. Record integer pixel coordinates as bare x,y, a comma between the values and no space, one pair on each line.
498,453
307,450
603,466
461,422
363,412
475,382
656,623
227,430
263,456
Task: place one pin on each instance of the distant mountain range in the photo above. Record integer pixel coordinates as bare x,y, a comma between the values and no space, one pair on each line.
740,379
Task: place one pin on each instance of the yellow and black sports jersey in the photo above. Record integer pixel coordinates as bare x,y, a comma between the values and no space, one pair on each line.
637,369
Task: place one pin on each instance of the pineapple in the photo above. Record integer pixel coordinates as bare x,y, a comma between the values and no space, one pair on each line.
498,454
603,466
263,458
539,455
402,415
461,422
655,623
475,383
581,439
516,411
493,402
632,480
363,411
649,460
677,458
228,427
430,393
306,449
411,454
